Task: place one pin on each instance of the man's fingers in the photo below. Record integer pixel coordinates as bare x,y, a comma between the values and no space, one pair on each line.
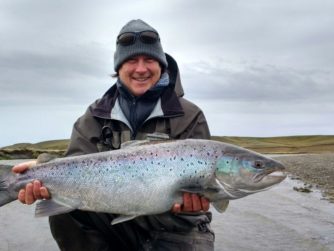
36,189
20,168
29,197
22,196
187,203
44,193
205,204
196,202
176,208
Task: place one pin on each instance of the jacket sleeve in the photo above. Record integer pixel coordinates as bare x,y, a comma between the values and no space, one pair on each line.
85,135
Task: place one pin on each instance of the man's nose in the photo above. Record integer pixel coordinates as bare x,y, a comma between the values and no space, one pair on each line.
141,66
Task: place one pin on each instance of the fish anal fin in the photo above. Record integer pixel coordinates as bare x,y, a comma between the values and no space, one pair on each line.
220,205
123,218
54,207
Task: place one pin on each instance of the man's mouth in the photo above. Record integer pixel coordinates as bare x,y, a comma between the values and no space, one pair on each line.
141,79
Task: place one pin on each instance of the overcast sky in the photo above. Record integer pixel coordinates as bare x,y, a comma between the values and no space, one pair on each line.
255,67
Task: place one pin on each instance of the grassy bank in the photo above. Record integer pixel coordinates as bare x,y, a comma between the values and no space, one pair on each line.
269,145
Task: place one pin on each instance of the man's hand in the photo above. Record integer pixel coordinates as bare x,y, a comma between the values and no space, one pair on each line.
33,190
192,203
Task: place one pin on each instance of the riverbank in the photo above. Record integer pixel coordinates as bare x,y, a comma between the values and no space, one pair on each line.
315,170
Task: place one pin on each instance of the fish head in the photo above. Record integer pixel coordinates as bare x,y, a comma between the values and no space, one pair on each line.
241,172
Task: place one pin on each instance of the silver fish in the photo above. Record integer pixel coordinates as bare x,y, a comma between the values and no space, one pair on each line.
146,178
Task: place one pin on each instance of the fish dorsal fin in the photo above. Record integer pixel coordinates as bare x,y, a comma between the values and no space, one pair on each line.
45,157
133,143
157,136
220,205
151,138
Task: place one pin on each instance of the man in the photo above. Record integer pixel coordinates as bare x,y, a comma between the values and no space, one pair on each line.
146,99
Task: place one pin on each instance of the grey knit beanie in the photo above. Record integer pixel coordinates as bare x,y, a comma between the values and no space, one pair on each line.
123,53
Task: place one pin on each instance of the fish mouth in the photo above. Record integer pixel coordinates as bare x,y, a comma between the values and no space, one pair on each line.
273,174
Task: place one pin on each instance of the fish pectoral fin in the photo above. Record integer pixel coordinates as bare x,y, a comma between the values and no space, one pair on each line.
54,207
123,218
208,193
220,205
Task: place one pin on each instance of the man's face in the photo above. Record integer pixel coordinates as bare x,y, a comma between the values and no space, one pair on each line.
139,74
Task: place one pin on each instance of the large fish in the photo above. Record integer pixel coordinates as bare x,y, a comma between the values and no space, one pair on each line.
146,178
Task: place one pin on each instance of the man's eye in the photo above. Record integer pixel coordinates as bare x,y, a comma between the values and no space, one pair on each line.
131,61
150,59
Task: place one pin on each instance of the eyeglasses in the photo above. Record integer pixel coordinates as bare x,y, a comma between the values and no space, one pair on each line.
129,38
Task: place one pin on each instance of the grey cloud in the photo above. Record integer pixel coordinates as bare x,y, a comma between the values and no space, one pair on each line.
61,74
258,83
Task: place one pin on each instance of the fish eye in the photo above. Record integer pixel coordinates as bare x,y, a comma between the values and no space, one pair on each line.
258,164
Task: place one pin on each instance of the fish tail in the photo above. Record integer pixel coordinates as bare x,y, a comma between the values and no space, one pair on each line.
6,175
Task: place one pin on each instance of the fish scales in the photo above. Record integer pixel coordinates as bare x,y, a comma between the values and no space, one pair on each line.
146,178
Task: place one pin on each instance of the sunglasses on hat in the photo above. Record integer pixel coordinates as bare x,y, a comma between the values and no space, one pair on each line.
129,38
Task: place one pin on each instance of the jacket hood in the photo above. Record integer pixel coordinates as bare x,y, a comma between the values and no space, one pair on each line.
174,75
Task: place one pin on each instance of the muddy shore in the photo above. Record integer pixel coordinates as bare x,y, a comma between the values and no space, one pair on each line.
315,170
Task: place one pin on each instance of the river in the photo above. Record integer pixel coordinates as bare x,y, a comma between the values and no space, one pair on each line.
274,220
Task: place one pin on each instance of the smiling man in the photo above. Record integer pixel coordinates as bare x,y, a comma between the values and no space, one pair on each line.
146,98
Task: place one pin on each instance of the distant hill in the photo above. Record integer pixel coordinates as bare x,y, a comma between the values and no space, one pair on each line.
269,145
284,145
31,151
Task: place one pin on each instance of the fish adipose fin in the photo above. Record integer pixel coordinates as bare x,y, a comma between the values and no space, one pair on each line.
6,175
45,157
55,206
123,218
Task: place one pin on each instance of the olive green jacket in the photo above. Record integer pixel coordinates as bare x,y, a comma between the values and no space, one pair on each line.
104,127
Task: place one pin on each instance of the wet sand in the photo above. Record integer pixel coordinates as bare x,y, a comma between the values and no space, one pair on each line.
278,219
